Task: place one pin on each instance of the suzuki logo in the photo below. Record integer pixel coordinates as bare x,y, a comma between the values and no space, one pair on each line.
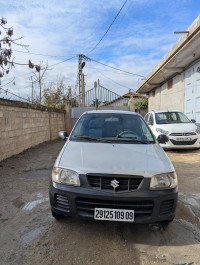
114,183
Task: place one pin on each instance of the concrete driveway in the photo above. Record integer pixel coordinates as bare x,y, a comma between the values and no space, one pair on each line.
29,234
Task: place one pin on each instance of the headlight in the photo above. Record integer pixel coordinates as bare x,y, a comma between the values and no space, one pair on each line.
198,130
164,181
65,176
159,130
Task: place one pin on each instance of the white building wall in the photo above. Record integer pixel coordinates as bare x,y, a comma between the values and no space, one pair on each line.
168,99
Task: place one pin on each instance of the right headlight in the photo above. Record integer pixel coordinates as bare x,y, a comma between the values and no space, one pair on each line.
159,130
65,176
198,130
164,181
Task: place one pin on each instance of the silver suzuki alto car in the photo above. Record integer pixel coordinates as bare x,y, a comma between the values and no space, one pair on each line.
112,168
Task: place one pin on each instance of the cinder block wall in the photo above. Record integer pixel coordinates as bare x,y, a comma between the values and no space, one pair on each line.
23,125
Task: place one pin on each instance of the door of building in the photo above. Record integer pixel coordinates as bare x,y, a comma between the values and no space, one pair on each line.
192,92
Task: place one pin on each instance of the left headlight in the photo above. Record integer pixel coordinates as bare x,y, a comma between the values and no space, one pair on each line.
65,176
164,181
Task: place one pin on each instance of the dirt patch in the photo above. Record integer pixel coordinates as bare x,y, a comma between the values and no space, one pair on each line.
30,235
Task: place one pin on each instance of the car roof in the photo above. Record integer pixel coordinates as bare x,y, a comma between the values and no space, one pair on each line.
112,111
160,111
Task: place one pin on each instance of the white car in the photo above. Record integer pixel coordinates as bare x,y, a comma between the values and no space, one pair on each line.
182,132
112,168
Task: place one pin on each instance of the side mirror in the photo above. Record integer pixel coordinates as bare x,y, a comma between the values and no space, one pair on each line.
150,122
162,138
192,120
63,135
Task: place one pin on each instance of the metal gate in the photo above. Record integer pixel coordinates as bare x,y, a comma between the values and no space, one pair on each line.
192,92
98,97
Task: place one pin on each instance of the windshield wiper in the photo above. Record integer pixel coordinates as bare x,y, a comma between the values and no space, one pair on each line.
91,138
136,141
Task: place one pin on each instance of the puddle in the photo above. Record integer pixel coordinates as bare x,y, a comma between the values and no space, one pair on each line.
192,202
30,236
30,205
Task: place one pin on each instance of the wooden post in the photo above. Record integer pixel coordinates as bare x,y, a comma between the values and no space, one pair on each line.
68,125
83,91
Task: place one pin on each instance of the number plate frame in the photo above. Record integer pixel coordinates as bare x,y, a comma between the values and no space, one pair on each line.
120,215
185,139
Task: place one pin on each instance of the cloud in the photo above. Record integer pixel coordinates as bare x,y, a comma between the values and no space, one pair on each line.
138,39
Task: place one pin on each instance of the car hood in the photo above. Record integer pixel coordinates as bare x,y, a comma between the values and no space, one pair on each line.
130,159
178,127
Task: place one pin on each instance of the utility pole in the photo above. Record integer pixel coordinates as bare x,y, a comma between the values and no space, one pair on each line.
81,84
80,73
40,87
32,89
83,90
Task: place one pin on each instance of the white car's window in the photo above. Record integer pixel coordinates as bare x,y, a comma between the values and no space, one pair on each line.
151,120
171,117
146,117
112,127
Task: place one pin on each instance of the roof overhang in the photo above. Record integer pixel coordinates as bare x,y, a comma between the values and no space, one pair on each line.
184,53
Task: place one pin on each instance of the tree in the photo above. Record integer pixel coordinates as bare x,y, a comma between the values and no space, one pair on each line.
142,104
54,95
38,78
6,54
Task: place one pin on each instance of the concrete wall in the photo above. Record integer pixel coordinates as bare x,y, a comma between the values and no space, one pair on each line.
168,99
22,126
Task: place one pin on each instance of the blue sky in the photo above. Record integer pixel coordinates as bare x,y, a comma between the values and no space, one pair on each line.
139,38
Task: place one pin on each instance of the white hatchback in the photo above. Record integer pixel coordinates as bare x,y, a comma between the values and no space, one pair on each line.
182,132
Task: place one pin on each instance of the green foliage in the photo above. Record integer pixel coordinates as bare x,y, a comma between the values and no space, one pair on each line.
142,104
54,95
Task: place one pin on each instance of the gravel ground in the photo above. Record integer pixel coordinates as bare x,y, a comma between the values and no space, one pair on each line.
29,234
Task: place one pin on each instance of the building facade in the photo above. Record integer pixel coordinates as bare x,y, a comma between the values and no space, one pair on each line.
174,83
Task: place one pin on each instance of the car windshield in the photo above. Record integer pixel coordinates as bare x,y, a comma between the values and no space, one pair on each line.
171,117
112,127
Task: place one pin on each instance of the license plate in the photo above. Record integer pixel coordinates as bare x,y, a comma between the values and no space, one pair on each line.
114,215
184,139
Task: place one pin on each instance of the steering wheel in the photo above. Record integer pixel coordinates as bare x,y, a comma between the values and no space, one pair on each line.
127,132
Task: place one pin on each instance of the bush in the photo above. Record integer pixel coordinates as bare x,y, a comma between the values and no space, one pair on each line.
142,104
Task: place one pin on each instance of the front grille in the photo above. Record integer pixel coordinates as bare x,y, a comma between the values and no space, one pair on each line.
183,142
142,209
104,182
166,207
62,202
183,134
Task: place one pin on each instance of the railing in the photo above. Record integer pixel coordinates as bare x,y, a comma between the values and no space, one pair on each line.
96,97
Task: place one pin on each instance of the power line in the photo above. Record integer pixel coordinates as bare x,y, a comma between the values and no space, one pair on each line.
108,28
7,91
116,68
110,79
64,61
48,55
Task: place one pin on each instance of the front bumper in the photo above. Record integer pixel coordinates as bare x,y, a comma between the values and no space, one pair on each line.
149,206
193,143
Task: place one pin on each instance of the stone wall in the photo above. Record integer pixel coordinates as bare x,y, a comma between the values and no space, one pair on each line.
24,125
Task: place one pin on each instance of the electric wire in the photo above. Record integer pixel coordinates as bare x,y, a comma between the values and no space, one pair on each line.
108,28
7,91
116,68
47,55
111,79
